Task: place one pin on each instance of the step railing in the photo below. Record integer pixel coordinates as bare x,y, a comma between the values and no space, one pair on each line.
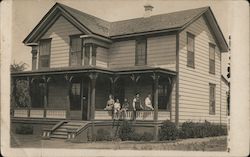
72,133
48,131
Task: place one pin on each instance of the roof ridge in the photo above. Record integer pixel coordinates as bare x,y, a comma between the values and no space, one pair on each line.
63,5
163,14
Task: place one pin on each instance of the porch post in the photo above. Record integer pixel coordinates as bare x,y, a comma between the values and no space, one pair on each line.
30,103
69,85
156,83
93,77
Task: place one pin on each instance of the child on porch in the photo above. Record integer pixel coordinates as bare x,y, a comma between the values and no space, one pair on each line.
117,107
124,109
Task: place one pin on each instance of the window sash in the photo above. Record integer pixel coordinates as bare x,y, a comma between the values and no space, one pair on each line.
212,58
141,53
211,99
190,50
75,50
190,59
44,53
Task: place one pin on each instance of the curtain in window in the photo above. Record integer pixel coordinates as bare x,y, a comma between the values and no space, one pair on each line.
211,99
211,58
75,50
44,50
190,50
141,52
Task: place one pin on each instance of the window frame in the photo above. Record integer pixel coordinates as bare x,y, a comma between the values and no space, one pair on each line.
137,41
211,45
70,52
49,55
212,112
193,52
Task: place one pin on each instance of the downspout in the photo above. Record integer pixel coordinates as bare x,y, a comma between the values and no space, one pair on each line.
177,81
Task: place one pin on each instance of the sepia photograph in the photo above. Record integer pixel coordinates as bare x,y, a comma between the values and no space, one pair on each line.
144,75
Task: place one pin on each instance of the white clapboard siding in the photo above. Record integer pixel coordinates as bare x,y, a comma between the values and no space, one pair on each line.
122,54
60,32
102,57
163,115
224,90
194,83
161,51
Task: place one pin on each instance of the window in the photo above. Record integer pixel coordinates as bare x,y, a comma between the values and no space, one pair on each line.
190,50
44,53
163,96
87,55
212,98
75,100
212,58
38,93
141,52
75,50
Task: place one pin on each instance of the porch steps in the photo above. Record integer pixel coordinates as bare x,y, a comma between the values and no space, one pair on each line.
62,131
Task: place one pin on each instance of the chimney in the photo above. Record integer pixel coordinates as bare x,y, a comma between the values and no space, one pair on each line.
148,10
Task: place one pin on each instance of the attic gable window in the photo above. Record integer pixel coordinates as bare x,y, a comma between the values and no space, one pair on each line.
211,58
44,53
75,50
141,52
190,50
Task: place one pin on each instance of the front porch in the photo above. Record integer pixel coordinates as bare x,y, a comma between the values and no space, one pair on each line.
81,94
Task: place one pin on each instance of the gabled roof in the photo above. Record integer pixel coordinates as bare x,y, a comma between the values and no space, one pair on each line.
159,23
167,21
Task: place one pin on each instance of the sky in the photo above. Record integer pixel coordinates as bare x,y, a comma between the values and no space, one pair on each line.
27,13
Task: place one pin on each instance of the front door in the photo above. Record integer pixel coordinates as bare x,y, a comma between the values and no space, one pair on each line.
79,100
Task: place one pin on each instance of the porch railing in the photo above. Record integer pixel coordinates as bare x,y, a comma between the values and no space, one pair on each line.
130,115
39,113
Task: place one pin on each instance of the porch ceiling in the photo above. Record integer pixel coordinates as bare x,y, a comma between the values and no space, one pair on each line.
91,69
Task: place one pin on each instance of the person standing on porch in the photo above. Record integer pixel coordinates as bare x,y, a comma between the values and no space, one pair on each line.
137,104
110,103
148,103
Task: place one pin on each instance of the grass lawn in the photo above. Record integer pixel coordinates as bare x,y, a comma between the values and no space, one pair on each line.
199,144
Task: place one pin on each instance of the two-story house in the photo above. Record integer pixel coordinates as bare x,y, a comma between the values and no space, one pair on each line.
79,59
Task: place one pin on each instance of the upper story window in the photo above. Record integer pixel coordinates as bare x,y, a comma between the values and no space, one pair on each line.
89,54
190,50
44,53
141,52
75,50
212,58
212,98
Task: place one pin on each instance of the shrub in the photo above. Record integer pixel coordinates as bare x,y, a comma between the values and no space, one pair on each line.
126,132
103,135
200,130
146,136
168,131
24,129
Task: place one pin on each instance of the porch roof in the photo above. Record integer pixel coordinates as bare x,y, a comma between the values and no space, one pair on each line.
91,69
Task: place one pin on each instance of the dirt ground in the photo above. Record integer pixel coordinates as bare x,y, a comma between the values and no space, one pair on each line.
199,144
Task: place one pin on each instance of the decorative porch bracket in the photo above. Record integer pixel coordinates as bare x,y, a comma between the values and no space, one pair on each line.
135,78
113,81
